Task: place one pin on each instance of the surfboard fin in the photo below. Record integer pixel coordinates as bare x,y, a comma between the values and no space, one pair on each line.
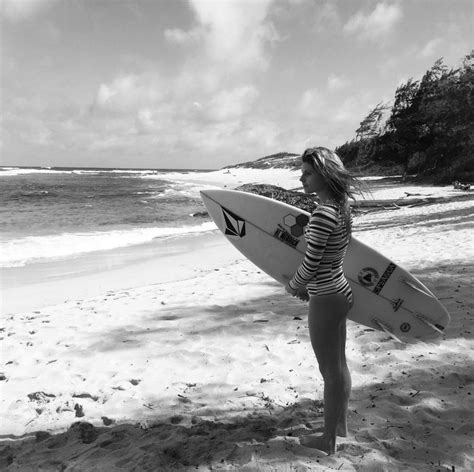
387,330
429,323
414,287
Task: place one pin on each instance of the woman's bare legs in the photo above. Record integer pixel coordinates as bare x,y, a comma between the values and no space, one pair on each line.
341,429
327,329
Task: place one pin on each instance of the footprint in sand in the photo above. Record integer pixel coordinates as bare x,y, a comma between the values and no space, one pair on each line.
352,449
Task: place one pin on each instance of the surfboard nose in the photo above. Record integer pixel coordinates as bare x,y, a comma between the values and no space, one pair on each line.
217,192
205,193
208,196
221,197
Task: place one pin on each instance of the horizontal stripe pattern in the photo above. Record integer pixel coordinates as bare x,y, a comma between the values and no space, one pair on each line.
322,269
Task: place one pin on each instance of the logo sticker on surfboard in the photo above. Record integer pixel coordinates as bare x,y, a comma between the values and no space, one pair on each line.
292,228
234,225
368,277
295,224
385,276
405,327
397,303
283,235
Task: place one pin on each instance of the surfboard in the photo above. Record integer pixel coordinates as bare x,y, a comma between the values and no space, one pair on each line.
271,235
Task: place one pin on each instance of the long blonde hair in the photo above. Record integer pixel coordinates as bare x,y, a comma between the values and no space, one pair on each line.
342,184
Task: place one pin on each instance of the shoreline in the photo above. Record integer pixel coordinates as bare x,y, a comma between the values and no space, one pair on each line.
50,283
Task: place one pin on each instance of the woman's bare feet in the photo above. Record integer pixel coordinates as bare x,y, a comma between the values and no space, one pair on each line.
321,442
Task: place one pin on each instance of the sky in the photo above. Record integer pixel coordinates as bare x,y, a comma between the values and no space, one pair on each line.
201,84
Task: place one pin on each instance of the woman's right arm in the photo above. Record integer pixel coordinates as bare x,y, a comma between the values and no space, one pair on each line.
322,223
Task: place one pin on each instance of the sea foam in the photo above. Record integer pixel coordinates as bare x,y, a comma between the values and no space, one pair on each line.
26,250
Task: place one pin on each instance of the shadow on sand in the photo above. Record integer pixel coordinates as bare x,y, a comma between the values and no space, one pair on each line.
415,421
408,434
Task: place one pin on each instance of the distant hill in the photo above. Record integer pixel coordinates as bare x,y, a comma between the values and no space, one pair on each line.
289,160
281,160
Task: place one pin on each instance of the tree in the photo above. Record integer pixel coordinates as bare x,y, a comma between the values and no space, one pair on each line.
373,124
348,152
446,110
404,123
430,128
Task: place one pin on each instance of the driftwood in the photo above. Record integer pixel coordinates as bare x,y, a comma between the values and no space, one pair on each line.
412,202
292,197
306,202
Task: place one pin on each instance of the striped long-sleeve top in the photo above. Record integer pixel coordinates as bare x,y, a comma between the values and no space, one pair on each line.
327,240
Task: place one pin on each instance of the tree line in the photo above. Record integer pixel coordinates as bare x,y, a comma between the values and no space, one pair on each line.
429,130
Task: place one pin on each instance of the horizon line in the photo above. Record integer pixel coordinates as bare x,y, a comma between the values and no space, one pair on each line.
104,168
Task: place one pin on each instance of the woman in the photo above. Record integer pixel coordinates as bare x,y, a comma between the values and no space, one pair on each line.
321,277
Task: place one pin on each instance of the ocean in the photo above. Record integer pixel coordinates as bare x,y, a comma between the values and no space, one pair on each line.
50,214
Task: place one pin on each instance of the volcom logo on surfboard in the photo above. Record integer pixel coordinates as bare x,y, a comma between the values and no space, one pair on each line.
234,225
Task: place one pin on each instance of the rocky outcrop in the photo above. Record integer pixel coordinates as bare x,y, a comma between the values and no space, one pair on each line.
297,199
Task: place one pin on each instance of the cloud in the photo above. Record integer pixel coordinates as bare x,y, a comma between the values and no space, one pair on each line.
375,25
431,48
104,94
28,121
328,19
144,122
179,36
155,111
311,103
234,33
15,11
353,110
337,82
128,92
210,104
244,139
231,104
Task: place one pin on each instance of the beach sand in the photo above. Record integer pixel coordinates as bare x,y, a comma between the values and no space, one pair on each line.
194,359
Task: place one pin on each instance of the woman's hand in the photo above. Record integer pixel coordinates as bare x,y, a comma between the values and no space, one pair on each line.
291,291
300,293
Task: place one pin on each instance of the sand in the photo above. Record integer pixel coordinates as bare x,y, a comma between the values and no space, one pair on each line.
196,360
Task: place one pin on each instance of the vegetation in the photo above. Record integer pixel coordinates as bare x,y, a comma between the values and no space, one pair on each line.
279,160
429,130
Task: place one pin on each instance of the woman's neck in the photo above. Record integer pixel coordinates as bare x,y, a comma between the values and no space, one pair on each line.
326,197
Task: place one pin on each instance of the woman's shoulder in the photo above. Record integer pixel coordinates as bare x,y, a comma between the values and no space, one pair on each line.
326,211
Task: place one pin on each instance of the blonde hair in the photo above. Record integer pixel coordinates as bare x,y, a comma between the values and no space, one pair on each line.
342,184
